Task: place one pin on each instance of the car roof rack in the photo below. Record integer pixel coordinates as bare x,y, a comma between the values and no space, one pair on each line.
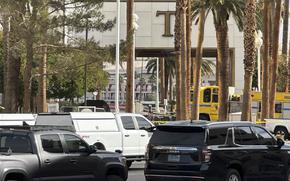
15,127
51,128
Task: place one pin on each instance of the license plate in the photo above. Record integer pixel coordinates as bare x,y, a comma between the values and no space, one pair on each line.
173,158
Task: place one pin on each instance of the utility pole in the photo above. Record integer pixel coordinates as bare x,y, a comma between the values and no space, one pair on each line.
86,66
157,86
117,77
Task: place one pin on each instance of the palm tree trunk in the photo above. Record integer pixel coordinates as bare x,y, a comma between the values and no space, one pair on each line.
189,59
285,28
223,74
250,57
285,36
273,83
130,58
27,74
183,52
265,87
198,59
177,44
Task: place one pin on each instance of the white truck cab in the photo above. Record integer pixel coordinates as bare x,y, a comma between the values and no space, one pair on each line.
125,132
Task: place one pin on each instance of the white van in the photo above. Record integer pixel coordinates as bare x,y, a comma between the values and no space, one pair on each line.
125,132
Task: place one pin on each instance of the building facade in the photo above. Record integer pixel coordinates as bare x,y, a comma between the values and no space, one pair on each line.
154,37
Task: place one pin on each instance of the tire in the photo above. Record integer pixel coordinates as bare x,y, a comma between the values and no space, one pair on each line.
282,131
233,175
129,164
114,178
100,146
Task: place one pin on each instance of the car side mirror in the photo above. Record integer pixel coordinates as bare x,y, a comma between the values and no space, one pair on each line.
150,129
92,149
280,142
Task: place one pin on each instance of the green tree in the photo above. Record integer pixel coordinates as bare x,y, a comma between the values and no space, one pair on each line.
39,24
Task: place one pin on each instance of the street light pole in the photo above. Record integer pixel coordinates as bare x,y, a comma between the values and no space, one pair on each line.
117,58
157,86
259,43
135,27
86,65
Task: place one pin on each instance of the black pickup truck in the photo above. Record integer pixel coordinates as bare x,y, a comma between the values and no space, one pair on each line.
55,155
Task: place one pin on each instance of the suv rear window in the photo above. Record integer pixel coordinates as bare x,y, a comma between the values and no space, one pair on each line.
178,136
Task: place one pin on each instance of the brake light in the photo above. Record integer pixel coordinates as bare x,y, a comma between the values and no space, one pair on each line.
206,155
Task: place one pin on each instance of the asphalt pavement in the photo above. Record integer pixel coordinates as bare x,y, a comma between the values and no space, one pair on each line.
136,172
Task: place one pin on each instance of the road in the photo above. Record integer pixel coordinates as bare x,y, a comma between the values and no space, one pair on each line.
136,172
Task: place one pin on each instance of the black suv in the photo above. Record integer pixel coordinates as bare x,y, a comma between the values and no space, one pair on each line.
222,151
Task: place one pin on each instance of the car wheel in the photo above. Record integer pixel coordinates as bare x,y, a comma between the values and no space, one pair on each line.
282,131
129,164
233,175
114,178
100,146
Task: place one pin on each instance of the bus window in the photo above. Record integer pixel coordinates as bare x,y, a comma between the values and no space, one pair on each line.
215,97
207,95
278,108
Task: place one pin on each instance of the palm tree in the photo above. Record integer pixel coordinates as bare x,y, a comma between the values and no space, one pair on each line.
221,11
162,79
207,69
273,73
189,58
250,56
285,27
198,62
130,58
177,45
169,71
265,88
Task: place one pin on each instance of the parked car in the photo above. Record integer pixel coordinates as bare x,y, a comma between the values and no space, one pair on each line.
28,155
125,132
221,151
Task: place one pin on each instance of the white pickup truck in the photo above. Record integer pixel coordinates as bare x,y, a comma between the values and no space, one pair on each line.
279,126
125,132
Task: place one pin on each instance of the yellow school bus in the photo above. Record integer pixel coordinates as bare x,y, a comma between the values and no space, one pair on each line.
282,104
208,109
208,103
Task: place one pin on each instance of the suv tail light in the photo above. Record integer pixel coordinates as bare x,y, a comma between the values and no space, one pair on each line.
206,155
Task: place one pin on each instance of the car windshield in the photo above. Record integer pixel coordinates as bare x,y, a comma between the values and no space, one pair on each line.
178,136
12,143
